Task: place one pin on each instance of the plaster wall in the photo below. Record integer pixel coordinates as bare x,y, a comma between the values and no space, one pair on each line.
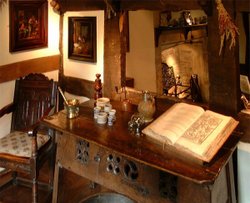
140,60
243,156
82,69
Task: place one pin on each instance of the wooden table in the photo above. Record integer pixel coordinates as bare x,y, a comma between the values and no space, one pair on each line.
89,149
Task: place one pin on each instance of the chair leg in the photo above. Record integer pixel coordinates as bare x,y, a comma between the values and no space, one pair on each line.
52,159
51,169
6,178
34,190
14,178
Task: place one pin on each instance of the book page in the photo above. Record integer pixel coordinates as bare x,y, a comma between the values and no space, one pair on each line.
207,134
172,124
202,128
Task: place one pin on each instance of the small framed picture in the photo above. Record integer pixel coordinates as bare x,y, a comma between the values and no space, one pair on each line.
82,39
28,24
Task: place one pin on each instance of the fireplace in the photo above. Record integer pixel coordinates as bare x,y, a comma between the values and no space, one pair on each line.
182,59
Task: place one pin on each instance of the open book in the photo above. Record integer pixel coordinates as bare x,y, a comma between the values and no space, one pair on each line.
191,129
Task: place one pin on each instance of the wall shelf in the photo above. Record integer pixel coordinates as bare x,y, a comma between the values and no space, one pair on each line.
184,29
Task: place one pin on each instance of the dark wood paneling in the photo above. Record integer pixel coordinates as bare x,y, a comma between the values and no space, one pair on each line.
112,56
19,69
223,70
78,86
244,126
242,5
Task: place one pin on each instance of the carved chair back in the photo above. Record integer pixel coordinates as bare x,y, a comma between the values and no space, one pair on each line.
34,96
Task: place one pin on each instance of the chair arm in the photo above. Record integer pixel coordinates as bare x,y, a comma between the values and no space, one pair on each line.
6,109
32,130
49,112
33,133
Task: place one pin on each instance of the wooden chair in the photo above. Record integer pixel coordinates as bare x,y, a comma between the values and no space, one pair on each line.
29,144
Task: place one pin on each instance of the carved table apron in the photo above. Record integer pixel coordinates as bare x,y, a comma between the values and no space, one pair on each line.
135,166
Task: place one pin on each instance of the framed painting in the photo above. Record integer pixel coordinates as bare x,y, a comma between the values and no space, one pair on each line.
28,24
82,39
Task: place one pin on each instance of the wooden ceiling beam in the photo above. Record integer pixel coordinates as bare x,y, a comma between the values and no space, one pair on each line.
81,5
171,5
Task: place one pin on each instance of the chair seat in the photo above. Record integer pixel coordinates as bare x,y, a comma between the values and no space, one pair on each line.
19,143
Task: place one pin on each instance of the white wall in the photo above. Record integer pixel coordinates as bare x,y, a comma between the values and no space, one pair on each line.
140,60
243,156
82,69
7,88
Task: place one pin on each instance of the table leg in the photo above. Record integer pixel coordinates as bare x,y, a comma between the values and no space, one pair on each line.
56,181
230,181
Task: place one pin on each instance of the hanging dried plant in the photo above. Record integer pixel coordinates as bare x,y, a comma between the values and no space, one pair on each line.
227,28
55,5
2,2
121,22
110,12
